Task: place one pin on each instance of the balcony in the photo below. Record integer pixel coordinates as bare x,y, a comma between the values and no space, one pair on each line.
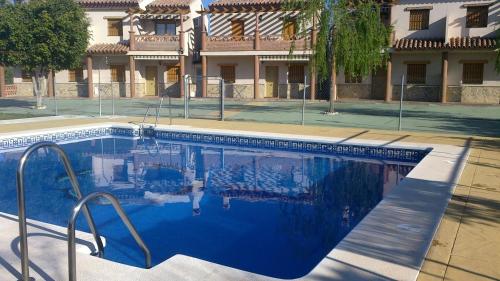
156,43
230,43
248,43
279,43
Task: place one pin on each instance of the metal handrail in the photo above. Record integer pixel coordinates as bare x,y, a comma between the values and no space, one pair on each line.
141,127
71,230
22,204
158,111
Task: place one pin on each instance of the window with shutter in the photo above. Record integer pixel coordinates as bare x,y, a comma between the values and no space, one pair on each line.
296,73
26,76
419,19
416,73
227,73
75,75
477,17
237,28
349,78
289,29
165,27
115,27
117,73
472,73
173,73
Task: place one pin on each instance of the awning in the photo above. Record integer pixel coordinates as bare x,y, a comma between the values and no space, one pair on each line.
155,57
284,58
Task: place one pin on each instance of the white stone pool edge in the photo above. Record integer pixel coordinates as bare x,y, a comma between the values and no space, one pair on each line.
389,243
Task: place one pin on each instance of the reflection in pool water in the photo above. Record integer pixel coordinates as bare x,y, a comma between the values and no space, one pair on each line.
270,212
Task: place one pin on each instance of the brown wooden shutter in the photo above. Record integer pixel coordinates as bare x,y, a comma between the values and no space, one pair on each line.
477,17
416,73
228,73
237,28
115,27
75,75
296,73
473,73
173,73
117,73
289,29
419,19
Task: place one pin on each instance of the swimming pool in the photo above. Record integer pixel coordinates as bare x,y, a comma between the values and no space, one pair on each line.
275,211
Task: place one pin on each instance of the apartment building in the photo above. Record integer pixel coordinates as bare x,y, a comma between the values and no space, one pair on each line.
249,47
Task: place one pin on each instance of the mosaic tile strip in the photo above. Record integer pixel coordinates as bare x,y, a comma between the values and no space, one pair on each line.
387,153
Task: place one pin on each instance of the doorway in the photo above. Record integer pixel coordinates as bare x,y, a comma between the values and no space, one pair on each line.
272,81
151,80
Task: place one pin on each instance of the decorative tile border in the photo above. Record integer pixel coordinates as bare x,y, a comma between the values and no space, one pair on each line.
367,151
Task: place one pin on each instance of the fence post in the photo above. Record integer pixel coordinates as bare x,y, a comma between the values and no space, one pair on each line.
54,89
304,100
222,96
99,91
401,101
186,98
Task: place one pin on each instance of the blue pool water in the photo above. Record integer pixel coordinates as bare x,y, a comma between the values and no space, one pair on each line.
274,213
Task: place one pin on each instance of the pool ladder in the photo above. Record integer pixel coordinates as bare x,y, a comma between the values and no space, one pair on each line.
81,205
158,108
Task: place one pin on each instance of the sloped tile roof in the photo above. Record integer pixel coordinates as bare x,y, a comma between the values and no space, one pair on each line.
169,4
108,3
105,49
454,43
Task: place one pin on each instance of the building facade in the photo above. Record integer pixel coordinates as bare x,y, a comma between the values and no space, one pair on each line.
442,51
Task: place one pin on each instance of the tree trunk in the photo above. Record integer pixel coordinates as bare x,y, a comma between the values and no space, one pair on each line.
39,87
333,87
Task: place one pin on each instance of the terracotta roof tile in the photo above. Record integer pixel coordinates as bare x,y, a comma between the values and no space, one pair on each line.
225,3
104,49
454,43
108,3
170,4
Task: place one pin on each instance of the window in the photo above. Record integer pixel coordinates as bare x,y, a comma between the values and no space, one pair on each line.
165,28
477,16
173,73
227,72
289,29
416,73
117,73
237,28
472,73
349,78
419,19
75,75
26,76
296,73
115,27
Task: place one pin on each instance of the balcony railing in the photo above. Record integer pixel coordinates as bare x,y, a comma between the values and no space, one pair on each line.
279,43
156,42
230,43
267,43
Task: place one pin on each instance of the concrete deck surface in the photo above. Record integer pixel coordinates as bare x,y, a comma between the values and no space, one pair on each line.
467,244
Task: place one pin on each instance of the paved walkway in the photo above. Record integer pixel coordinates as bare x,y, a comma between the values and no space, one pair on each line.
467,243
423,117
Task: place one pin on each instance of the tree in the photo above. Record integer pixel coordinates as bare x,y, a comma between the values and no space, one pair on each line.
351,36
52,35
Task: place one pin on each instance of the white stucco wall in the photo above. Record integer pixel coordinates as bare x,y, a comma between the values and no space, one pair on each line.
445,15
99,25
455,69
433,70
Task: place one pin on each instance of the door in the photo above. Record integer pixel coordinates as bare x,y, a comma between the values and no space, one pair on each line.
237,28
289,29
151,78
272,75
379,78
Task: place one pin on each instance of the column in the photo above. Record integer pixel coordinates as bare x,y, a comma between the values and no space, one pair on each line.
50,84
2,81
181,55
444,80
256,79
90,83
204,80
314,34
257,32
132,33
388,81
131,62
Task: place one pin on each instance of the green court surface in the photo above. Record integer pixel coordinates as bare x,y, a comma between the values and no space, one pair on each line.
482,120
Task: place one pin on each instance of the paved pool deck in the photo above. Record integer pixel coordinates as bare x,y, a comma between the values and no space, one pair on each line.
467,243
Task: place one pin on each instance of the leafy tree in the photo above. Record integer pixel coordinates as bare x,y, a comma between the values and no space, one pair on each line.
53,35
351,36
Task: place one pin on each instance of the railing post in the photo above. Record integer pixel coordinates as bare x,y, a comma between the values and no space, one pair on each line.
401,101
186,98
222,96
